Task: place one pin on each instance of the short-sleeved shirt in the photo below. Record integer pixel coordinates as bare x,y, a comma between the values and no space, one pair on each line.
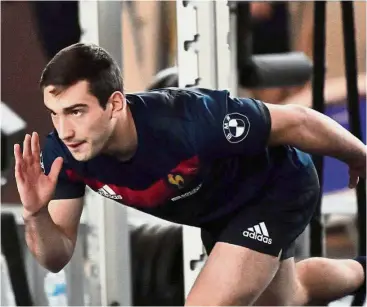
201,155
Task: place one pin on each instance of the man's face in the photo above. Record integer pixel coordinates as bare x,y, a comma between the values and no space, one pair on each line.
82,124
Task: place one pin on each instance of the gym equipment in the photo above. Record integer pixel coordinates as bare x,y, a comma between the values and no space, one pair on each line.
268,70
206,58
169,269
317,247
165,78
317,229
353,108
136,27
12,132
11,248
7,295
254,71
275,70
355,125
157,274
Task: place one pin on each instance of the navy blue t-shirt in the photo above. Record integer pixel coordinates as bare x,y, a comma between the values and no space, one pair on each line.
201,154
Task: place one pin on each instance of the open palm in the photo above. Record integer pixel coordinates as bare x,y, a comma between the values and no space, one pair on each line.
34,187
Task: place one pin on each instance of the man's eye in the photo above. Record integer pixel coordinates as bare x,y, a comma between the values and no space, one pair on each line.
76,112
52,113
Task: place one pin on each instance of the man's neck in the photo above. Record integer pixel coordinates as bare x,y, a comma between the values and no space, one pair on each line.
124,140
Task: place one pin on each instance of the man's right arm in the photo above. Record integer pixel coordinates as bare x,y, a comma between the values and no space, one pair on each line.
52,202
51,233
314,132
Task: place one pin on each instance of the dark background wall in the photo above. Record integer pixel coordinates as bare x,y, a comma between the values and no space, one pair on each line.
22,61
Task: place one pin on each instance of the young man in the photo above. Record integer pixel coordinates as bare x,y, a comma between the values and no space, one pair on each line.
234,167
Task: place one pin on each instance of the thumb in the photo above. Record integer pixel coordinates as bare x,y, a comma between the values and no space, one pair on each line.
55,168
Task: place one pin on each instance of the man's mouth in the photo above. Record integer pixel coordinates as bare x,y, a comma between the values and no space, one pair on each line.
74,145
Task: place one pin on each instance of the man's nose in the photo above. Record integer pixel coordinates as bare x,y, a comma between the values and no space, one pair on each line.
65,130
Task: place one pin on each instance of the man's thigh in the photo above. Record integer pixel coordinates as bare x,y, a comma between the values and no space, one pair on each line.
245,253
232,276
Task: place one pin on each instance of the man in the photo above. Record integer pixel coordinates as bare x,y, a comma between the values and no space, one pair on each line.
234,167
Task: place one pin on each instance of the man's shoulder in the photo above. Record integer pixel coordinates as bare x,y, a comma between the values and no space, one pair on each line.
176,102
168,93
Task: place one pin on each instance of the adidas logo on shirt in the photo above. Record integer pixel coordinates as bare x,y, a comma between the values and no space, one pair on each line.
258,232
106,191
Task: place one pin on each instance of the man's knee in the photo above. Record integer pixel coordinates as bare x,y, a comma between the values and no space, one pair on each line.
326,280
285,289
231,299
239,282
287,293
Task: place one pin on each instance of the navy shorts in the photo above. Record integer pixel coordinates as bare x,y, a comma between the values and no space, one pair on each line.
273,221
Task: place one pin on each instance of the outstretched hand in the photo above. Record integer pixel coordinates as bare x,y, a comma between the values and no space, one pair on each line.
34,187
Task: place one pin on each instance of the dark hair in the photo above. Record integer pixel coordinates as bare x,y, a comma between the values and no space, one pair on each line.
80,62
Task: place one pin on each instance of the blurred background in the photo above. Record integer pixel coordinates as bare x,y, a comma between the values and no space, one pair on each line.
143,35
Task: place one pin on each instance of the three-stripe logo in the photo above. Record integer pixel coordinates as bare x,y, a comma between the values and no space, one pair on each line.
258,232
106,191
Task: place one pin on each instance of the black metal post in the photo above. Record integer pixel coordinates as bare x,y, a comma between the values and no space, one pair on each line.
354,122
318,84
353,110
244,38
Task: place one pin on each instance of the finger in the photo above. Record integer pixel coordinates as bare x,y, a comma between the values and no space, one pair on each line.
18,174
353,181
17,154
18,163
27,147
55,169
35,147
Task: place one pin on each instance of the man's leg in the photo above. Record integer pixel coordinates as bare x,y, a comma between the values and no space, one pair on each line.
285,289
314,281
232,275
326,280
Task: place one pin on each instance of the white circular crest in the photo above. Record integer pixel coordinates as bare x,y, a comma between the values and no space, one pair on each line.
236,127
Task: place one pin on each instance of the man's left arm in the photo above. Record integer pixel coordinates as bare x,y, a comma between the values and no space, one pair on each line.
316,133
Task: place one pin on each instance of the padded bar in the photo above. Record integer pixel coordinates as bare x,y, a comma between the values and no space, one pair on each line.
276,70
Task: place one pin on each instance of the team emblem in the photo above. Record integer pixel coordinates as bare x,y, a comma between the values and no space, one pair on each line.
176,180
236,127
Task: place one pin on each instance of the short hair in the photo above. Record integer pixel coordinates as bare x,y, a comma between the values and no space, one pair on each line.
84,62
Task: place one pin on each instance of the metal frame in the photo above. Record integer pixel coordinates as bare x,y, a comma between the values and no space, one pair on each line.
7,294
204,60
35,272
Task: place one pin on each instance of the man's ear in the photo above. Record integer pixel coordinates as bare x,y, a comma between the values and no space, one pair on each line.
118,103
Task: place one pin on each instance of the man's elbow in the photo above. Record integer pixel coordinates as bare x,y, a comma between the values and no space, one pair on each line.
55,264
55,269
